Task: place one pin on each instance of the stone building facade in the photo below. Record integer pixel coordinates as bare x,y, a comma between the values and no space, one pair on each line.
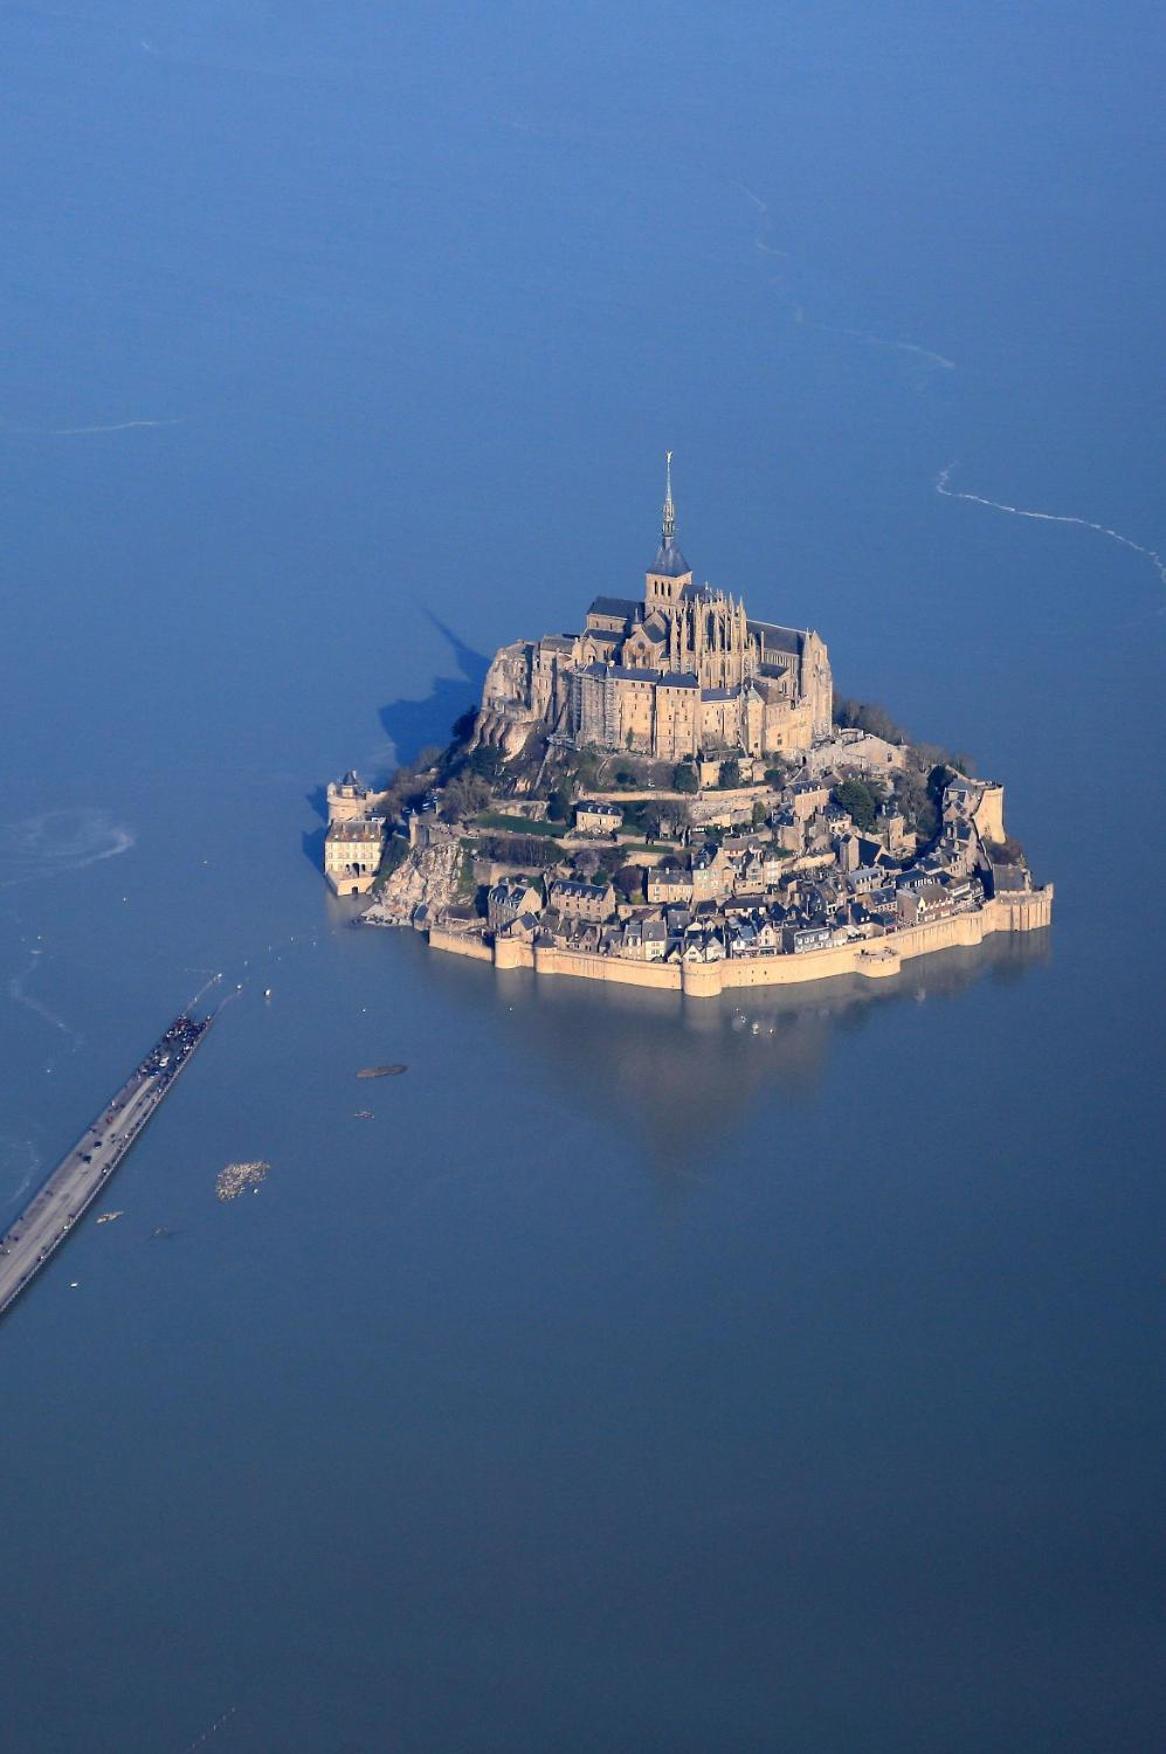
352,854
681,672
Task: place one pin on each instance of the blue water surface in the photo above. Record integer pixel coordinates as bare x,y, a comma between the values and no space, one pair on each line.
783,1375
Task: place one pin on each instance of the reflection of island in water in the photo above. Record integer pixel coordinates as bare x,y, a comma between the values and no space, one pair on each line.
678,1070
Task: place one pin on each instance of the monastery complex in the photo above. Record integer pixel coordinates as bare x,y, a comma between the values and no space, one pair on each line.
681,672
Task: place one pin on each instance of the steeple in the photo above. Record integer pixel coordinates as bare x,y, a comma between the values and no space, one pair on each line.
669,564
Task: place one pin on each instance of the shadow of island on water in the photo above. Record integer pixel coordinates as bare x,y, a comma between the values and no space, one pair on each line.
413,725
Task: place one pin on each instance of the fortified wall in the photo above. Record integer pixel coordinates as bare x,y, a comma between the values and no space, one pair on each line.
874,958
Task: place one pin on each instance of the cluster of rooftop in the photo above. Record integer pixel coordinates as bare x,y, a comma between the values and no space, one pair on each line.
807,878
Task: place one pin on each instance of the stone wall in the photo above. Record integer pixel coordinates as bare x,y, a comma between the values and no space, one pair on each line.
663,976
988,815
874,958
460,944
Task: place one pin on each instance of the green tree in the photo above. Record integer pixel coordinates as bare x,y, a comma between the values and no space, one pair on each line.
860,799
730,774
918,807
629,880
685,778
486,761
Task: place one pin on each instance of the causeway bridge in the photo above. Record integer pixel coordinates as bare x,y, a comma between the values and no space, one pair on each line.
29,1243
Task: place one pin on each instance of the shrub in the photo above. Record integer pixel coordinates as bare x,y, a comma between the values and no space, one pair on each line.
629,880
860,799
520,849
465,796
867,715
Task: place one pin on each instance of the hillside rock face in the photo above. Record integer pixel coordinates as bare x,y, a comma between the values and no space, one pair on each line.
428,875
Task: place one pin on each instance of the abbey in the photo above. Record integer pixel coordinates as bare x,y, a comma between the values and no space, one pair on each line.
683,672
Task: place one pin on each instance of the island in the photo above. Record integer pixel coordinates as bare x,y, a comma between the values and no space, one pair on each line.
675,796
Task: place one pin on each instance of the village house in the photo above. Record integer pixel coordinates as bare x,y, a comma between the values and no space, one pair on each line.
645,940
712,874
891,829
703,945
582,901
807,797
669,882
506,900
796,940
923,901
753,868
524,930
965,893
593,817
789,831
865,878
848,852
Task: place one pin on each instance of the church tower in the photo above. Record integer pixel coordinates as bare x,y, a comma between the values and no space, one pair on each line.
669,573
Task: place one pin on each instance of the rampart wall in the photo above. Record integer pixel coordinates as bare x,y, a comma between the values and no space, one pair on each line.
874,958
460,944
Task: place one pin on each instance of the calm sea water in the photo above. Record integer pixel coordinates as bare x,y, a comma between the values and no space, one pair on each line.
640,1375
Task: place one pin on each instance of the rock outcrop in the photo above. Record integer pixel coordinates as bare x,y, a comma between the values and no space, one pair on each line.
428,876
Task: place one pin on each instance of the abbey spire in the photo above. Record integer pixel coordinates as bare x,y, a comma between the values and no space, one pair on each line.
669,572
669,523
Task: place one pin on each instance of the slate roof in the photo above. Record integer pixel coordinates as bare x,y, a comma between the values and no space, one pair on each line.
625,606
781,639
669,562
360,829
